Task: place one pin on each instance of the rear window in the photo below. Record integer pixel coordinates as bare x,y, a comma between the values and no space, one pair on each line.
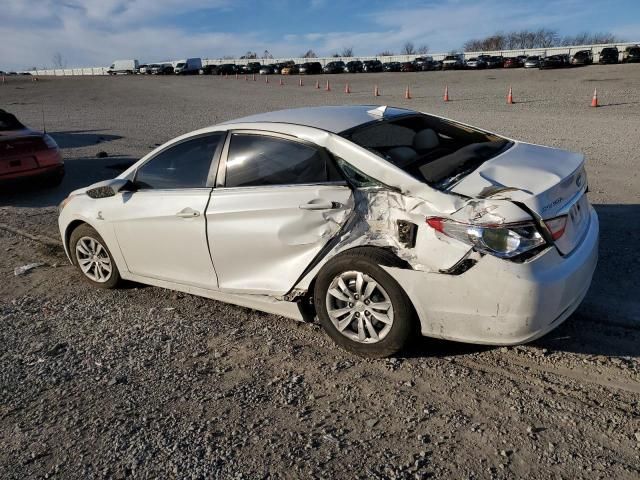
8,121
433,150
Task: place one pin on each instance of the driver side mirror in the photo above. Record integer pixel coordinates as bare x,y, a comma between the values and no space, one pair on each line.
110,188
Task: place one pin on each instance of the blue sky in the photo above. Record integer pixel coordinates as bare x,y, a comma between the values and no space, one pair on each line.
95,32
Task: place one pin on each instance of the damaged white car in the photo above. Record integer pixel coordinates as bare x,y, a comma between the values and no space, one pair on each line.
385,223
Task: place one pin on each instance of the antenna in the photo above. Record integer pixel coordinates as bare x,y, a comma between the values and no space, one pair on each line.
44,128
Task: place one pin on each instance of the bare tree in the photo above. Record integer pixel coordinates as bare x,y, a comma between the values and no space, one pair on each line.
423,49
309,54
335,55
385,53
546,38
347,52
408,49
267,54
250,55
58,60
605,37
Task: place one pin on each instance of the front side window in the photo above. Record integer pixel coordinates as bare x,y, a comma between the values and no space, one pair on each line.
185,165
257,160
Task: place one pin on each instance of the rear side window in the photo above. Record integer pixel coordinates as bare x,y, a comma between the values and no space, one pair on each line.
258,160
185,165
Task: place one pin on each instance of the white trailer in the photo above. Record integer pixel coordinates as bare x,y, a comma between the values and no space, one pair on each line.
125,67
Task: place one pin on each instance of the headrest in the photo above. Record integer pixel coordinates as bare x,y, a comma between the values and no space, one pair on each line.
425,140
401,156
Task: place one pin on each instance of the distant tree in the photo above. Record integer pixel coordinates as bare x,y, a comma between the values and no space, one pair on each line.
250,55
546,38
228,57
267,54
309,54
347,52
58,60
386,53
335,55
408,49
423,49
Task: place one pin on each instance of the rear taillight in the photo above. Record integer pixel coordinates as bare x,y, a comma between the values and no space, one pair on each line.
556,226
505,241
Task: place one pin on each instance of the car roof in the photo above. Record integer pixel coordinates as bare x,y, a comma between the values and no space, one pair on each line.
334,119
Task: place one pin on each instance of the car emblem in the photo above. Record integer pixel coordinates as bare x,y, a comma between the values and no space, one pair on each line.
579,180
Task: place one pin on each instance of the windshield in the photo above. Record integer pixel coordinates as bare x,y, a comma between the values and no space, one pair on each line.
431,149
181,64
450,57
8,121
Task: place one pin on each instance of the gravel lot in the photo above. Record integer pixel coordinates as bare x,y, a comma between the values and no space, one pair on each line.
150,383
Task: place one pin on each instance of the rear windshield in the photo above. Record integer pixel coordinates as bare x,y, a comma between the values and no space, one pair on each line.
8,121
433,150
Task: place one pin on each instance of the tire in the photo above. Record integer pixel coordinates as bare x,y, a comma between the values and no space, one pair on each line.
54,179
366,310
96,275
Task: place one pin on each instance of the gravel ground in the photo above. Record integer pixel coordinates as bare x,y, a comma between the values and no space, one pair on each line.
150,383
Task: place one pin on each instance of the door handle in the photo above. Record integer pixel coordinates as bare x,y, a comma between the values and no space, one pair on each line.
320,205
188,213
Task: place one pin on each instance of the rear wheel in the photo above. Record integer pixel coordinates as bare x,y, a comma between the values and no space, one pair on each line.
361,307
92,257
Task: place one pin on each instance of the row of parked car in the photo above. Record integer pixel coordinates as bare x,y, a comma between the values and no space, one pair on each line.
608,55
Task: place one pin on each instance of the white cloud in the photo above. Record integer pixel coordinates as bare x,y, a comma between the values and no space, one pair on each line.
94,32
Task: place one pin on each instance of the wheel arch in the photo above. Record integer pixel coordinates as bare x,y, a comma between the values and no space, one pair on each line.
67,236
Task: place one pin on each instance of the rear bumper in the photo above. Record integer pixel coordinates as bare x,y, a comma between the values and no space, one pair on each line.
498,302
33,174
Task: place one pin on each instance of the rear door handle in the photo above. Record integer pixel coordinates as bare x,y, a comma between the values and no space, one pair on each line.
320,205
188,213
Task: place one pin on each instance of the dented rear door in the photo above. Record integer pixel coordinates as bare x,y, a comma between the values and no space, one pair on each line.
262,239
276,205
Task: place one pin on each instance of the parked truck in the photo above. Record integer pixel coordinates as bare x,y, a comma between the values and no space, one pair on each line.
189,66
123,67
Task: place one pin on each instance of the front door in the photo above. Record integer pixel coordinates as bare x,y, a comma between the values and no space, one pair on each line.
161,227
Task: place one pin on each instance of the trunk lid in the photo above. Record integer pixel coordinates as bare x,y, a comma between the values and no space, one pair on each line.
549,181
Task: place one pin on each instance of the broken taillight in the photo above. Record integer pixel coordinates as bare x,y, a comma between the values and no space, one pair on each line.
505,241
556,226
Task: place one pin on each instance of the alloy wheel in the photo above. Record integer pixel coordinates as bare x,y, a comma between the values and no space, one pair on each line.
359,307
93,259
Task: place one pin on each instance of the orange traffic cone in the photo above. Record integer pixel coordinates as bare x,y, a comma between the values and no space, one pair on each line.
446,93
254,77
594,100
510,96
407,93
266,79
281,82
328,87
317,84
346,88
236,76
376,91
246,79
3,79
225,75
300,84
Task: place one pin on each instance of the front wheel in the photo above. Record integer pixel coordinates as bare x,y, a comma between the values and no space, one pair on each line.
361,307
93,258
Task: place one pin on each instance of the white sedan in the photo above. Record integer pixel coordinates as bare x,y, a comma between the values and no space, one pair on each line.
383,223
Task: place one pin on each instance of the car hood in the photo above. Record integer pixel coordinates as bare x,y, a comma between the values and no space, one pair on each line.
544,179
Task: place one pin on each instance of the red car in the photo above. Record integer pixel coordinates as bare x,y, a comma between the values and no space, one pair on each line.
26,154
512,62
408,67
